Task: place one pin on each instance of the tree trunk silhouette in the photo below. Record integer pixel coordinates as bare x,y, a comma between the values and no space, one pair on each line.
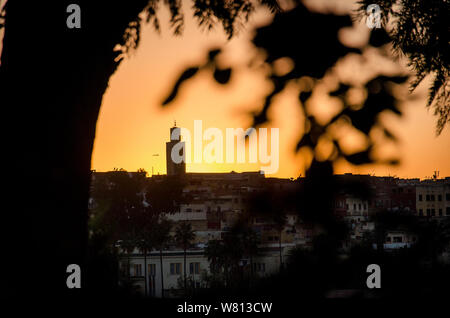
185,289
251,270
129,266
52,80
162,272
280,250
145,272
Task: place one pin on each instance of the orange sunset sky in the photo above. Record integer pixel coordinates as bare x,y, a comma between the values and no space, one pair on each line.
133,127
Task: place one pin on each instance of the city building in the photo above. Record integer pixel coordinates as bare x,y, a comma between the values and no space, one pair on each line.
214,202
198,272
433,198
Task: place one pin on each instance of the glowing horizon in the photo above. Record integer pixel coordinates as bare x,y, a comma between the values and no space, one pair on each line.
132,125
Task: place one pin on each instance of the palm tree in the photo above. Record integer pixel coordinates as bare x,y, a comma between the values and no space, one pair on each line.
245,240
215,252
280,222
224,255
184,235
145,244
271,206
147,237
250,246
128,244
162,237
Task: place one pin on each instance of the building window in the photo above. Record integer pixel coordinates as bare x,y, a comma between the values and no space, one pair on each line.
420,212
447,211
175,268
447,196
398,239
432,197
197,268
194,268
420,197
354,206
359,206
259,267
137,269
152,269
428,212
427,197
433,212
440,212
439,197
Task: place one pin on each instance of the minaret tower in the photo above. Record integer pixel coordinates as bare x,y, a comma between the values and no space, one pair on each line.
172,167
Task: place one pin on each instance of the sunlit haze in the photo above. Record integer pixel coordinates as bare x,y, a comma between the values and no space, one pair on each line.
133,127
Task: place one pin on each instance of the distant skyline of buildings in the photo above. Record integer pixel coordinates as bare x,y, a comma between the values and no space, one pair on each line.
173,168
214,202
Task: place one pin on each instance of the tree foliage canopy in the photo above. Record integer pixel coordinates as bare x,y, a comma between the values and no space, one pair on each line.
208,13
419,30
314,56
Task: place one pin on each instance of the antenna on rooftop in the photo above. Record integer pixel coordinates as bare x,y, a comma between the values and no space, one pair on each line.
435,174
154,155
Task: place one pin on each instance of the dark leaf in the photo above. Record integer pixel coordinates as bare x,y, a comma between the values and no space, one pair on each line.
222,76
397,79
379,37
389,135
259,118
212,54
304,141
342,89
359,158
394,162
313,52
304,96
187,74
